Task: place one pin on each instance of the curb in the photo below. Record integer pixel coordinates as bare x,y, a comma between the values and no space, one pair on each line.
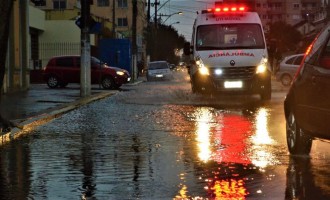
32,122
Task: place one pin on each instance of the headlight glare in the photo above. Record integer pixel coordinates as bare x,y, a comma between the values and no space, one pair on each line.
204,70
261,69
120,73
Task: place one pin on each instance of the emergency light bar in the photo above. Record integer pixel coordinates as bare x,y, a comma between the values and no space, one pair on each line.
226,9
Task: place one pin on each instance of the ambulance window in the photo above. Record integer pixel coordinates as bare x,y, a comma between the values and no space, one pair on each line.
229,36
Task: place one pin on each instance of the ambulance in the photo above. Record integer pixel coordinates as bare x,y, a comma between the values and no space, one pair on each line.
228,52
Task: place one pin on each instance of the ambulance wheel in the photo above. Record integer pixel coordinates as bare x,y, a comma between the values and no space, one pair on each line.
266,93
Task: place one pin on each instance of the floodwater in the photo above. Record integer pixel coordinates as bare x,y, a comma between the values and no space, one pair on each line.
156,140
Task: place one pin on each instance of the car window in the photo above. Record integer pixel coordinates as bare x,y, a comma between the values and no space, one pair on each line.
290,61
159,65
314,53
298,60
64,62
325,56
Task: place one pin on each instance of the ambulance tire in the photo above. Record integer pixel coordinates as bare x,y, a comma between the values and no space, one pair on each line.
266,93
194,88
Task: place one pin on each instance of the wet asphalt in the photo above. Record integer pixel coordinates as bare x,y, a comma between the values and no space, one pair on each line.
157,141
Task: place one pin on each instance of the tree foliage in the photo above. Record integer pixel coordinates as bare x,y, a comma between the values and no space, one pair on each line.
286,37
162,42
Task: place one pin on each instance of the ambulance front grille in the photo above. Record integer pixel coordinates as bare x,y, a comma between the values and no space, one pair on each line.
245,72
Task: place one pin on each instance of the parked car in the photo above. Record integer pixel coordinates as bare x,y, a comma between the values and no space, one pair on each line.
306,106
62,70
158,70
288,67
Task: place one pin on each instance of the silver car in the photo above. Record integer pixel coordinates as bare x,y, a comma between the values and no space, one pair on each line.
288,68
158,70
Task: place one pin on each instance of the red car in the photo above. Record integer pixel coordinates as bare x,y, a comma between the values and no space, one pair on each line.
62,70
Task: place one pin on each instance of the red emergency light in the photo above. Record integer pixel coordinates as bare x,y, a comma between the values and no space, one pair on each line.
226,9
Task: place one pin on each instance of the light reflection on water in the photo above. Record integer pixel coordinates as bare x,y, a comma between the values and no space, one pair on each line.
232,137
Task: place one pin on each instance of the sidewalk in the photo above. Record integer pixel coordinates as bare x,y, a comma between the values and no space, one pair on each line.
40,104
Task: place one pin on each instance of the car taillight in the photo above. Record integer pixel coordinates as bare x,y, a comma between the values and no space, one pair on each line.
309,49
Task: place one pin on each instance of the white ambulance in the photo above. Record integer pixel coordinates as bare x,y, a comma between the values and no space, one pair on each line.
229,53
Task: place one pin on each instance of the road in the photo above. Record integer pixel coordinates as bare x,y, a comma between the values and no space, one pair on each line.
157,140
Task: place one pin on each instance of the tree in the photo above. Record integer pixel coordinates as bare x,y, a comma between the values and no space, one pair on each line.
5,17
162,43
287,40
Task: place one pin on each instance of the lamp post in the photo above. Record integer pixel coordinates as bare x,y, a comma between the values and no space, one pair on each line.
168,16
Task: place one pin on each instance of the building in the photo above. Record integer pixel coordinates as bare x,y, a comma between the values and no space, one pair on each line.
292,12
116,17
43,28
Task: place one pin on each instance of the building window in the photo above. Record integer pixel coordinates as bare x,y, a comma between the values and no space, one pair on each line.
59,4
122,22
122,4
296,6
103,3
39,2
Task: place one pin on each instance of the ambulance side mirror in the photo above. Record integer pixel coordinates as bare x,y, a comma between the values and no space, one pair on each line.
187,48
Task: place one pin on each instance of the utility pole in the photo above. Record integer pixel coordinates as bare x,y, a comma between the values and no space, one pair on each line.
156,4
114,19
148,13
134,45
85,58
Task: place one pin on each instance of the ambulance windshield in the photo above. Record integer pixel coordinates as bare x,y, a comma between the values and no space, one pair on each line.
229,36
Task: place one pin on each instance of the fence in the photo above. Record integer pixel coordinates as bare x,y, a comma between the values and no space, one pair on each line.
50,49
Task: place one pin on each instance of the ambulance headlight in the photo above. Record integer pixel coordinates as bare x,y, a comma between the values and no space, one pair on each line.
204,70
261,69
218,72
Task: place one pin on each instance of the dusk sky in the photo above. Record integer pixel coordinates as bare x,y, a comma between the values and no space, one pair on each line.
187,7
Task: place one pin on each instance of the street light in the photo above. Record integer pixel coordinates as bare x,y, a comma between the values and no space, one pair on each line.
168,16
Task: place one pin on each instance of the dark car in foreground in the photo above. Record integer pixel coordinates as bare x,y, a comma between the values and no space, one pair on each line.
62,70
307,104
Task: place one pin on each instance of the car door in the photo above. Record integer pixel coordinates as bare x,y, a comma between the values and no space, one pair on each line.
75,70
66,67
96,71
313,95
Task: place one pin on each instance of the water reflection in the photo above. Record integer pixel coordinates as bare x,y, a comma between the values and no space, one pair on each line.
304,181
233,137
232,189
261,156
235,142
204,119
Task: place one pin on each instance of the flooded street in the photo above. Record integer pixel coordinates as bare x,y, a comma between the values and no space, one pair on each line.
157,140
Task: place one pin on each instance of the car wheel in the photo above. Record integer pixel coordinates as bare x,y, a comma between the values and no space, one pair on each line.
108,82
297,141
194,88
286,79
52,81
